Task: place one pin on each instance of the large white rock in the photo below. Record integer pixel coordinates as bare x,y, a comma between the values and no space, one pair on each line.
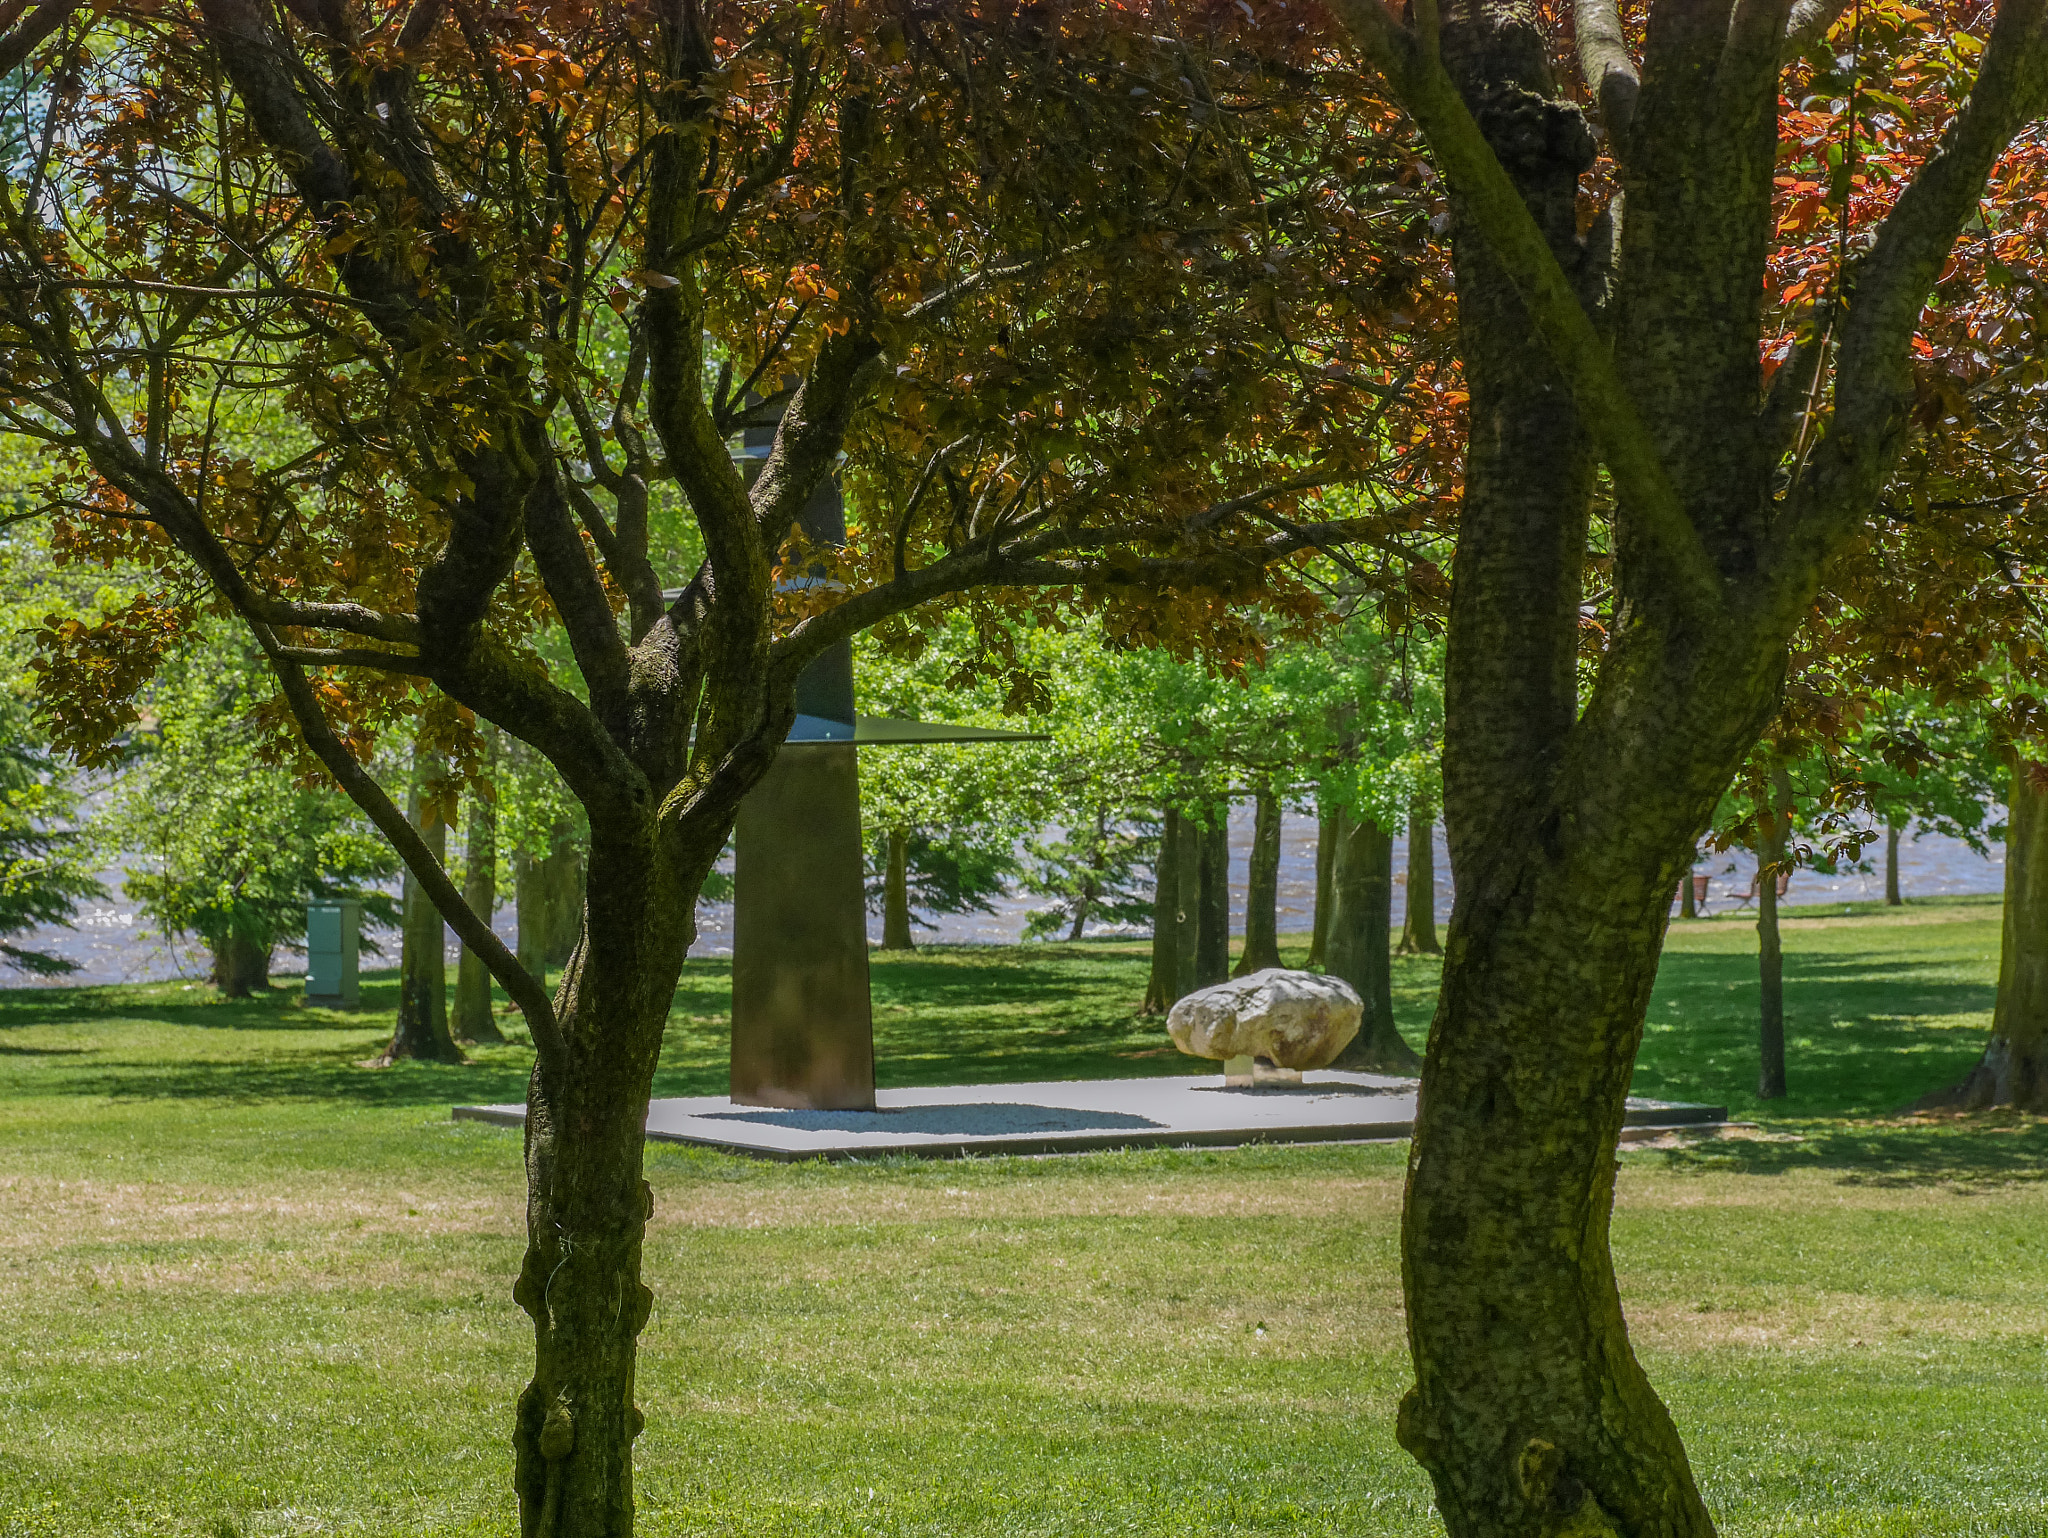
1293,1019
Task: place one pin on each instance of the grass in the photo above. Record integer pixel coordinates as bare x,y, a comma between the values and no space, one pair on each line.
249,1288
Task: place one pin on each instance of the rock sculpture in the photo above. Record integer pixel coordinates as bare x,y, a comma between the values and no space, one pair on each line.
1270,1025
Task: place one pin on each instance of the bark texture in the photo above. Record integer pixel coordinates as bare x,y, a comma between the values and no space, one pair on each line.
547,891
472,1018
1212,899
1361,943
241,966
896,894
1418,916
1175,911
2014,1068
1326,859
422,1029
1262,890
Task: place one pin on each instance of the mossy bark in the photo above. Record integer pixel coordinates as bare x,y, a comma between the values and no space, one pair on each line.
588,1203
547,890
1326,859
1171,918
1262,890
471,1018
2014,1068
422,1028
896,894
1361,943
1212,899
1418,915
241,965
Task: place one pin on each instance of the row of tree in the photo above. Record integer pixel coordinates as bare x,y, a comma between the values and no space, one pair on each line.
406,336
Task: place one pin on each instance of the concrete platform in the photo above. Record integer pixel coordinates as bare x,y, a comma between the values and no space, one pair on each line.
1073,1117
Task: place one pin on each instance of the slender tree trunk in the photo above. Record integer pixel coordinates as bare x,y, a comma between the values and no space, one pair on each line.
896,894
422,1030
2014,1068
1567,833
1361,944
1326,860
1164,986
547,891
241,965
1770,957
472,1018
1418,920
1091,884
587,1203
1688,903
1212,899
1892,899
1262,891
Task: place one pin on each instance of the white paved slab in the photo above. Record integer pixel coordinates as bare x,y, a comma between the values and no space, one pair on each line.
1067,1117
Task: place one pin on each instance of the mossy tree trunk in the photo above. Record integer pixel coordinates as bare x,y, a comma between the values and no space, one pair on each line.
1212,898
472,1018
1360,943
241,964
1262,890
422,1029
547,890
1326,860
896,894
1418,917
1169,915
1631,345
2014,1068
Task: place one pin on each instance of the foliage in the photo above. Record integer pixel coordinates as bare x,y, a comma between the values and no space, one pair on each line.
232,848
44,867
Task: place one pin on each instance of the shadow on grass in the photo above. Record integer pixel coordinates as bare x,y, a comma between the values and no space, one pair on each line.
1977,1151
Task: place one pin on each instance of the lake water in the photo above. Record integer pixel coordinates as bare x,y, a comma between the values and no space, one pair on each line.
111,946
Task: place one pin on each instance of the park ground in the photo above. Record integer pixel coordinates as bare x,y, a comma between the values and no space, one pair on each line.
253,1288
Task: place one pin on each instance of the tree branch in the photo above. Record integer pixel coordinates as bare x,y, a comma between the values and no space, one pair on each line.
1503,220
356,782
1873,374
25,37
1608,67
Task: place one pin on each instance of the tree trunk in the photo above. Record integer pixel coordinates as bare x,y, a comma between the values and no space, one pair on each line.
1360,943
1892,899
1262,891
2014,1068
1164,986
422,1030
241,966
896,894
1418,921
1772,827
1326,860
1567,834
1092,883
472,1018
1212,899
1688,904
587,1203
547,890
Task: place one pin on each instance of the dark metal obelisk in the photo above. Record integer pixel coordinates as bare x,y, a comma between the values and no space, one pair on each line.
802,1026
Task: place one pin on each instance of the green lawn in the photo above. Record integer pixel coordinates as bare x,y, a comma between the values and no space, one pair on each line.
250,1287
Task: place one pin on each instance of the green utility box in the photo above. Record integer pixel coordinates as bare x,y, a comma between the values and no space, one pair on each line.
333,936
